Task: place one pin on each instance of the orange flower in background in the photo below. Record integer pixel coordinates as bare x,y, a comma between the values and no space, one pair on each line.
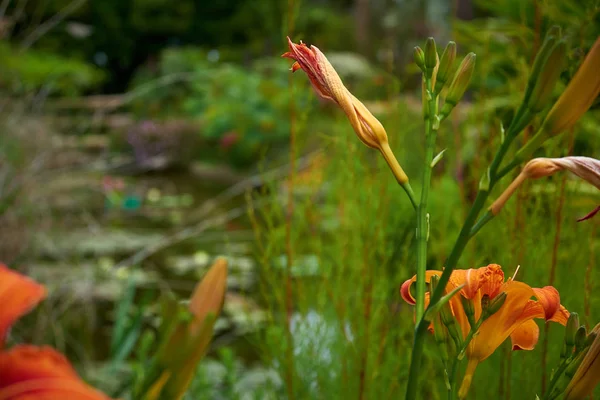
514,319
30,372
328,85
18,295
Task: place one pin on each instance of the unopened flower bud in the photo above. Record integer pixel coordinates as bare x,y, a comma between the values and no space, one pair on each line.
441,336
469,311
459,84
580,337
450,324
547,77
431,56
445,66
587,375
419,57
495,304
571,330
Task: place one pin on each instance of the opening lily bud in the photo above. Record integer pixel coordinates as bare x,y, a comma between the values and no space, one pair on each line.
459,84
328,85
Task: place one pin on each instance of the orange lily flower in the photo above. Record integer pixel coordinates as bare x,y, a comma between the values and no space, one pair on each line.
514,319
30,372
18,295
328,85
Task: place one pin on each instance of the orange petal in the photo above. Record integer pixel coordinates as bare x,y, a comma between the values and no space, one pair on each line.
405,288
18,295
496,329
489,279
549,299
29,372
525,336
561,316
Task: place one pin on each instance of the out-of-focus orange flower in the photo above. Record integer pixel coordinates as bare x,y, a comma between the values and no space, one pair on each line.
18,295
30,372
328,85
41,373
514,319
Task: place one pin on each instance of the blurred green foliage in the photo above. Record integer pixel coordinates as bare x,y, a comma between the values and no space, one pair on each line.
23,72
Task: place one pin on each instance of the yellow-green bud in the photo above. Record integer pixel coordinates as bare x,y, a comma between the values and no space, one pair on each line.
445,68
494,305
439,332
459,84
450,324
547,77
571,329
419,57
430,54
469,311
580,337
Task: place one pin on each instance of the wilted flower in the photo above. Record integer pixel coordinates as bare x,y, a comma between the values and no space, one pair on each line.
28,372
586,168
587,376
512,317
328,85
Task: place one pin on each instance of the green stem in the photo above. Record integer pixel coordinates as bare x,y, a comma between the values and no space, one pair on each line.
487,217
422,215
451,262
411,195
557,374
431,128
415,362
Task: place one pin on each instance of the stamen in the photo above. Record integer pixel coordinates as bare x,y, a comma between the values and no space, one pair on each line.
515,274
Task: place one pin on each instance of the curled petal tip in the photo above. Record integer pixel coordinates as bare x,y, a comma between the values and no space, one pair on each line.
590,215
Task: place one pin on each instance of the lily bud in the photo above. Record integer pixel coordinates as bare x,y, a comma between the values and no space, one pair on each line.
469,311
450,324
328,85
495,305
547,78
419,57
580,336
441,336
459,84
445,66
180,352
570,331
572,103
431,57
587,376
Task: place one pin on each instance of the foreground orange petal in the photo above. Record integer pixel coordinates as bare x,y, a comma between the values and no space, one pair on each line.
30,372
18,295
